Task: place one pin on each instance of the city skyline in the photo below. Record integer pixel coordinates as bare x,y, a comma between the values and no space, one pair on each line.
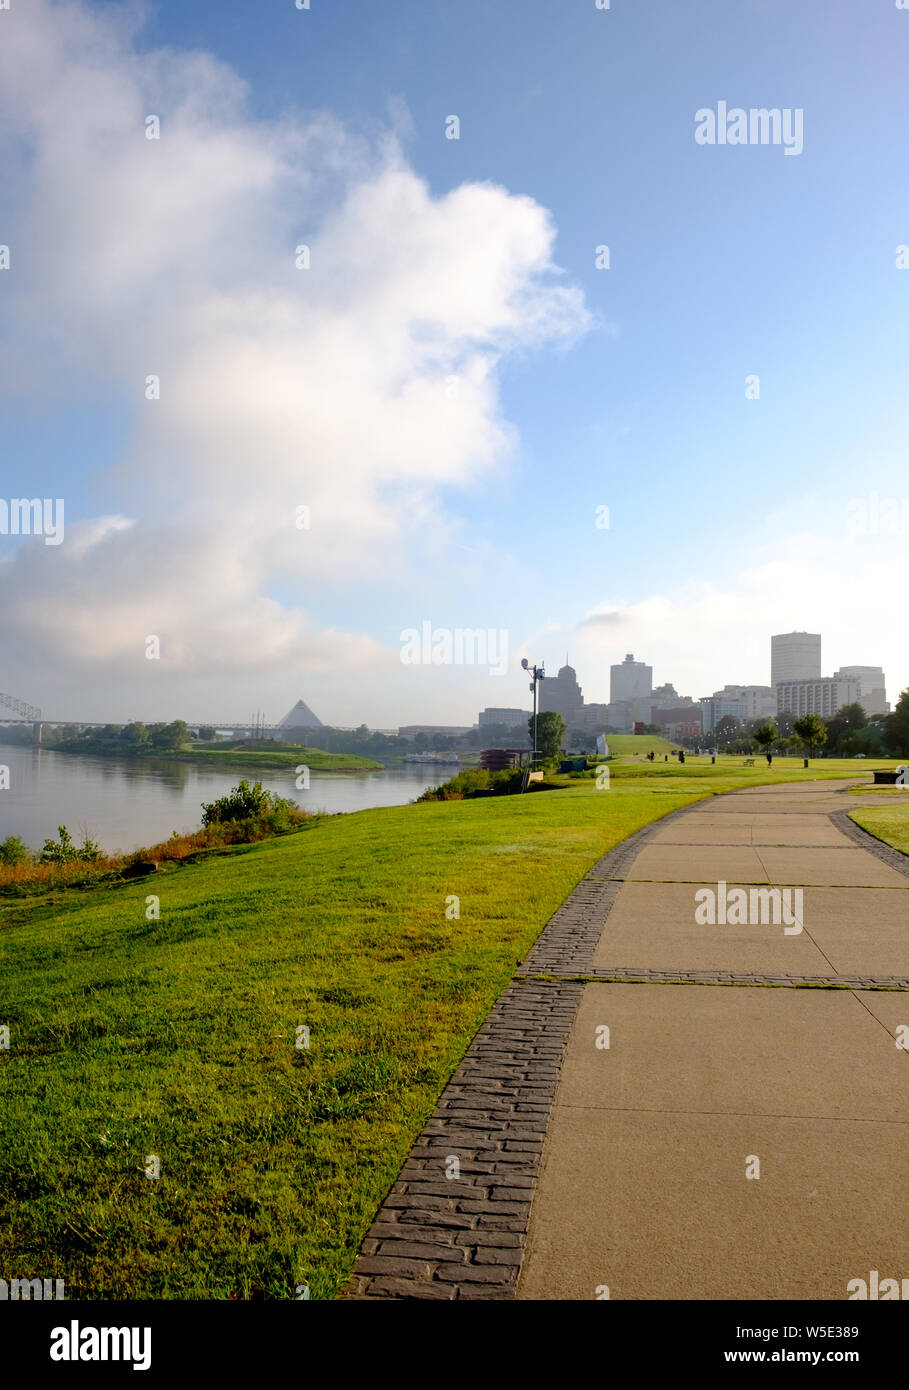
854,681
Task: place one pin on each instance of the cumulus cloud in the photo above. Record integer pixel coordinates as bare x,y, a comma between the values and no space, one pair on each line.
357,388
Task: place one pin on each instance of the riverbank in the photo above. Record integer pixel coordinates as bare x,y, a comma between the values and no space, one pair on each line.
233,756
278,1037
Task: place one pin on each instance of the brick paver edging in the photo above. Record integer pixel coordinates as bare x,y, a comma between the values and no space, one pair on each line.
462,1237
894,858
458,1232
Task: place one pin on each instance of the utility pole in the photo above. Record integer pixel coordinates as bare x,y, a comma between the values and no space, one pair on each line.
538,673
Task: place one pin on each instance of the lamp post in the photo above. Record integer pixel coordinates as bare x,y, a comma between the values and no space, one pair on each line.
539,673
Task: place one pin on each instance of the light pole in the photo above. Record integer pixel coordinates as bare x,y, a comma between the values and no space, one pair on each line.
539,673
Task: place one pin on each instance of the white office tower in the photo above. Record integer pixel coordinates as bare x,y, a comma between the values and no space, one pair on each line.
795,656
872,687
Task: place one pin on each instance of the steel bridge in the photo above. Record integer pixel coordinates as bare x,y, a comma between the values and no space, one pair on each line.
21,712
15,711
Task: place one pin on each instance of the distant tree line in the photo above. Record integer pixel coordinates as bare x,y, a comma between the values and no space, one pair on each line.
843,735
848,732
126,738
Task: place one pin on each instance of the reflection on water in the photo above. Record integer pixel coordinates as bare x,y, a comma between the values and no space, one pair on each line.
123,804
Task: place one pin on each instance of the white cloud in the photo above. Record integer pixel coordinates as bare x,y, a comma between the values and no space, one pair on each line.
332,387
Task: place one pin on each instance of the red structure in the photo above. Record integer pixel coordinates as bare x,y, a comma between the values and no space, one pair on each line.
499,759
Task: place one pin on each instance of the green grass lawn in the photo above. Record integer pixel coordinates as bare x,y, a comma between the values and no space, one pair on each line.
890,821
175,1037
640,744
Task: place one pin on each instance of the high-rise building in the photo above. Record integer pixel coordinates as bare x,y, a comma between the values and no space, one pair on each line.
795,656
872,687
667,695
823,696
630,680
562,694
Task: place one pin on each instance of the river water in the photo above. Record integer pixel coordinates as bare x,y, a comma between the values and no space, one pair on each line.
123,804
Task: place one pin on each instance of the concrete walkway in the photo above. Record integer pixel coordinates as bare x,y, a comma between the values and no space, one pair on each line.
643,1189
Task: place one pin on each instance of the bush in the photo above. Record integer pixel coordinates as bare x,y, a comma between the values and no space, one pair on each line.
476,781
253,812
14,851
63,851
244,802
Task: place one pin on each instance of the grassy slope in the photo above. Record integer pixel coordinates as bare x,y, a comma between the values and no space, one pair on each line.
888,818
642,744
316,759
132,1037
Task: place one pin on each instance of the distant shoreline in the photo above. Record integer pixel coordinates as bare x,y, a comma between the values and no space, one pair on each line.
315,759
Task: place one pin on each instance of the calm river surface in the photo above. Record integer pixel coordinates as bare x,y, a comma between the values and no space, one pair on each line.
124,804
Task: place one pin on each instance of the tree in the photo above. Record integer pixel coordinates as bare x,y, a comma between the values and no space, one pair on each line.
206,733
812,731
896,726
784,722
766,736
169,737
726,729
551,729
870,740
847,720
135,735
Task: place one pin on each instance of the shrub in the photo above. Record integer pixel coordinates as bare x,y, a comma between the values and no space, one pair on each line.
476,781
63,851
14,851
244,802
252,812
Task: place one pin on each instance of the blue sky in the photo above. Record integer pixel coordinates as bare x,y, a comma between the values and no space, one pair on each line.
729,517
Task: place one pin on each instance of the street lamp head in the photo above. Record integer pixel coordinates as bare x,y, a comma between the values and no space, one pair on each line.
524,663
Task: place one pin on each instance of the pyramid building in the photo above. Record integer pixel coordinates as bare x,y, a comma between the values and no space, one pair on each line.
301,717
